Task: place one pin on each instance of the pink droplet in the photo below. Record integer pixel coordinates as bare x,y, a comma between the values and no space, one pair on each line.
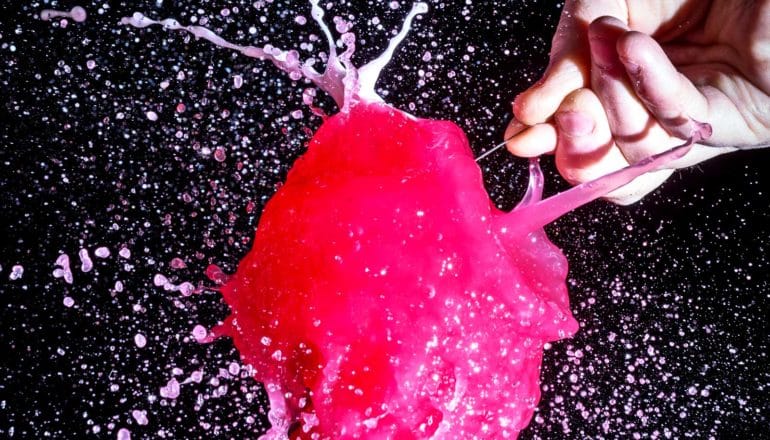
186,288
140,340
102,252
200,333
17,272
85,261
171,390
124,253
124,434
140,416
159,280
78,14
215,274
219,154
308,96
64,271
177,263
68,301
63,261
196,376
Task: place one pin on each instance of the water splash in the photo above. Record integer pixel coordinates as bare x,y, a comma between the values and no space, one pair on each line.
340,79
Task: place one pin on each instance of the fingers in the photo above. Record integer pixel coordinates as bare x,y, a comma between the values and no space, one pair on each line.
636,133
671,98
586,149
647,114
674,102
639,103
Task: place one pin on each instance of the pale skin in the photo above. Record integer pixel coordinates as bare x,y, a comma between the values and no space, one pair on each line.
626,79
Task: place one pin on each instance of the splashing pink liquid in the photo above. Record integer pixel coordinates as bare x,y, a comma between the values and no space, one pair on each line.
392,305
385,296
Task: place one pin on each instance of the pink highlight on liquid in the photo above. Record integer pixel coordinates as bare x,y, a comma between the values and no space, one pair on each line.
125,253
63,270
86,264
171,390
195,377
200,333
124,434
185,288
159,280
17,271
140,416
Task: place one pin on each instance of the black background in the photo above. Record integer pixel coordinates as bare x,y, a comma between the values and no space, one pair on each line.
672,293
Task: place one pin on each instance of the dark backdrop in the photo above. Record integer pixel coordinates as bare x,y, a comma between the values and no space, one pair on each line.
672,293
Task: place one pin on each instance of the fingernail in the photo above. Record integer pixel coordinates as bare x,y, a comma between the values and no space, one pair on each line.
574,123
632,68
603,54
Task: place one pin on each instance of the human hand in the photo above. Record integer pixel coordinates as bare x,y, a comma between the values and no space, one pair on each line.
626,80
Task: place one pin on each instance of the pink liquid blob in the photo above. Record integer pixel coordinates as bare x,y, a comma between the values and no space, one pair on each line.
385,296
381,300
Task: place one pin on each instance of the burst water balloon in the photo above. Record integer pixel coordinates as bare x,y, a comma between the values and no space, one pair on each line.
385,296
